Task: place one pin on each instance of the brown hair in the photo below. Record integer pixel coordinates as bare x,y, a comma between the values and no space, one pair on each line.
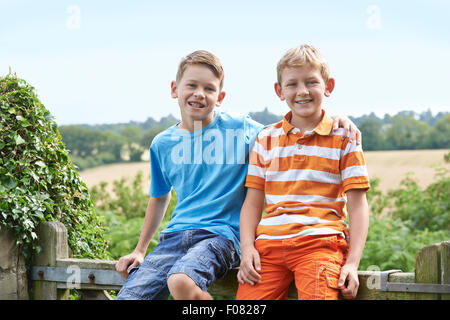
205,58
300,56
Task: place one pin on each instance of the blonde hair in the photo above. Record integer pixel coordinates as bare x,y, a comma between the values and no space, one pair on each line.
205,58
299,57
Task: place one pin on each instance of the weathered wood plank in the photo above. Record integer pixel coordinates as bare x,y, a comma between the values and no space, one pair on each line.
87,263
427,268
53,241
370,285
445,266
401,277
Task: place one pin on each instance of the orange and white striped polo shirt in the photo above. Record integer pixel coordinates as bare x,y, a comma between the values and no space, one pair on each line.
304,178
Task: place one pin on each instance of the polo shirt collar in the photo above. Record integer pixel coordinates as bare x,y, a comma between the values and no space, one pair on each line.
323,128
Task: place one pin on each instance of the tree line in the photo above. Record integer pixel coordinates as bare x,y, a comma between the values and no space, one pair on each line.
96,145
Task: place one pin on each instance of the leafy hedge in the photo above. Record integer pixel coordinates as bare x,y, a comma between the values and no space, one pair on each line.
405,220
38,181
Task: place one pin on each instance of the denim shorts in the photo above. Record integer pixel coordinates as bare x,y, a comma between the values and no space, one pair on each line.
202,255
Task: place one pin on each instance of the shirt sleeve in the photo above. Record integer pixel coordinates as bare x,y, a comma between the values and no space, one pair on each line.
159,184
256,174
353,168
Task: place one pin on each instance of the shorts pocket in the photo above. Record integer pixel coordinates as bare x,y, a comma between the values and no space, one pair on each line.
332,278
327,278
225,254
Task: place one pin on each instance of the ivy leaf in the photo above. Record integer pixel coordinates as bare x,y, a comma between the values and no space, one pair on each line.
40,164
19,140
24,122
9,182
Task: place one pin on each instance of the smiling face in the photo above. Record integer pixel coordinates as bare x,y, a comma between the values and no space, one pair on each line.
198,93
303,88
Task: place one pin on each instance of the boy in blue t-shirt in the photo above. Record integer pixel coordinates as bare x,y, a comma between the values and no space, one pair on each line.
204,158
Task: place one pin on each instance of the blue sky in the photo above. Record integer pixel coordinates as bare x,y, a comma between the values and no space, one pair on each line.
112,61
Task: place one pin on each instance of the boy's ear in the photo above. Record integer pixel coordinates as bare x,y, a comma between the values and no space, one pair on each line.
173,89
278,91
220,98
329,87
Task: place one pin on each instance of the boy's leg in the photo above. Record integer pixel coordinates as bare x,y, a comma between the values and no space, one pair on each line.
149,280
275,276
182,287
318,262
208,257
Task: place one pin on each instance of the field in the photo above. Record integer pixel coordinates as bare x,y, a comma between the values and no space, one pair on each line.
390,166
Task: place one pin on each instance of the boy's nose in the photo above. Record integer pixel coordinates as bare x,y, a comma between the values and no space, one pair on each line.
302,91
199,93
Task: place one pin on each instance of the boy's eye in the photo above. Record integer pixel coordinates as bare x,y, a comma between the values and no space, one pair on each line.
292,84
210,89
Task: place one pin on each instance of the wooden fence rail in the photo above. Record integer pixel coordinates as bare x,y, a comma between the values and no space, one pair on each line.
54,273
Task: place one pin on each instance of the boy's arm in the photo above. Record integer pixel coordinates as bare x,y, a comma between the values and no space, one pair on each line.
153,216
250,216
348,126
358,214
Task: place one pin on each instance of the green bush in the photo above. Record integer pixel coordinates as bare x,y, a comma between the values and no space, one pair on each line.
427,208
405,220
393,243
127,199
38,181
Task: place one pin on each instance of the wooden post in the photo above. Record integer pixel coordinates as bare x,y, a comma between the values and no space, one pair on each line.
432,266
445,266
53,241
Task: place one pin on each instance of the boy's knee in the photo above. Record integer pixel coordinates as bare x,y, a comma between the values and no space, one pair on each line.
181,286
178,281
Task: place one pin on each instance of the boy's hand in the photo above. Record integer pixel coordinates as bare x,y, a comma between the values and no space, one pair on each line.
349,279
250,265
348,126
128,262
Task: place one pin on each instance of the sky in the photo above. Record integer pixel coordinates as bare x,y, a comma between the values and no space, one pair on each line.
94,62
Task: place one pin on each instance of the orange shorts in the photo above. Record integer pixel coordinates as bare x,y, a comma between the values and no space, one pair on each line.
313,261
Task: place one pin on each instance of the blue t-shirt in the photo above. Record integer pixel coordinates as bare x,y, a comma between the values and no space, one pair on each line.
207,169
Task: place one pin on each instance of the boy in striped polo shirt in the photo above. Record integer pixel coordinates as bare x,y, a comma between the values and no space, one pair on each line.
306,176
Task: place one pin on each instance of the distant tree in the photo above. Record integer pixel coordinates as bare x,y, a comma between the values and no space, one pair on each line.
427,117
265,117
372,133
168,121
149,135
407,133
79,140
111,142
440,134
150,122
133,136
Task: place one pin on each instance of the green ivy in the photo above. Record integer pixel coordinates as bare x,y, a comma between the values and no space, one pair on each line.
38,181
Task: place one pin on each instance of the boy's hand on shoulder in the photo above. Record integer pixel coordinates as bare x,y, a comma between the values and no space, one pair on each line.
250,265
128,262
349,279
348,126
